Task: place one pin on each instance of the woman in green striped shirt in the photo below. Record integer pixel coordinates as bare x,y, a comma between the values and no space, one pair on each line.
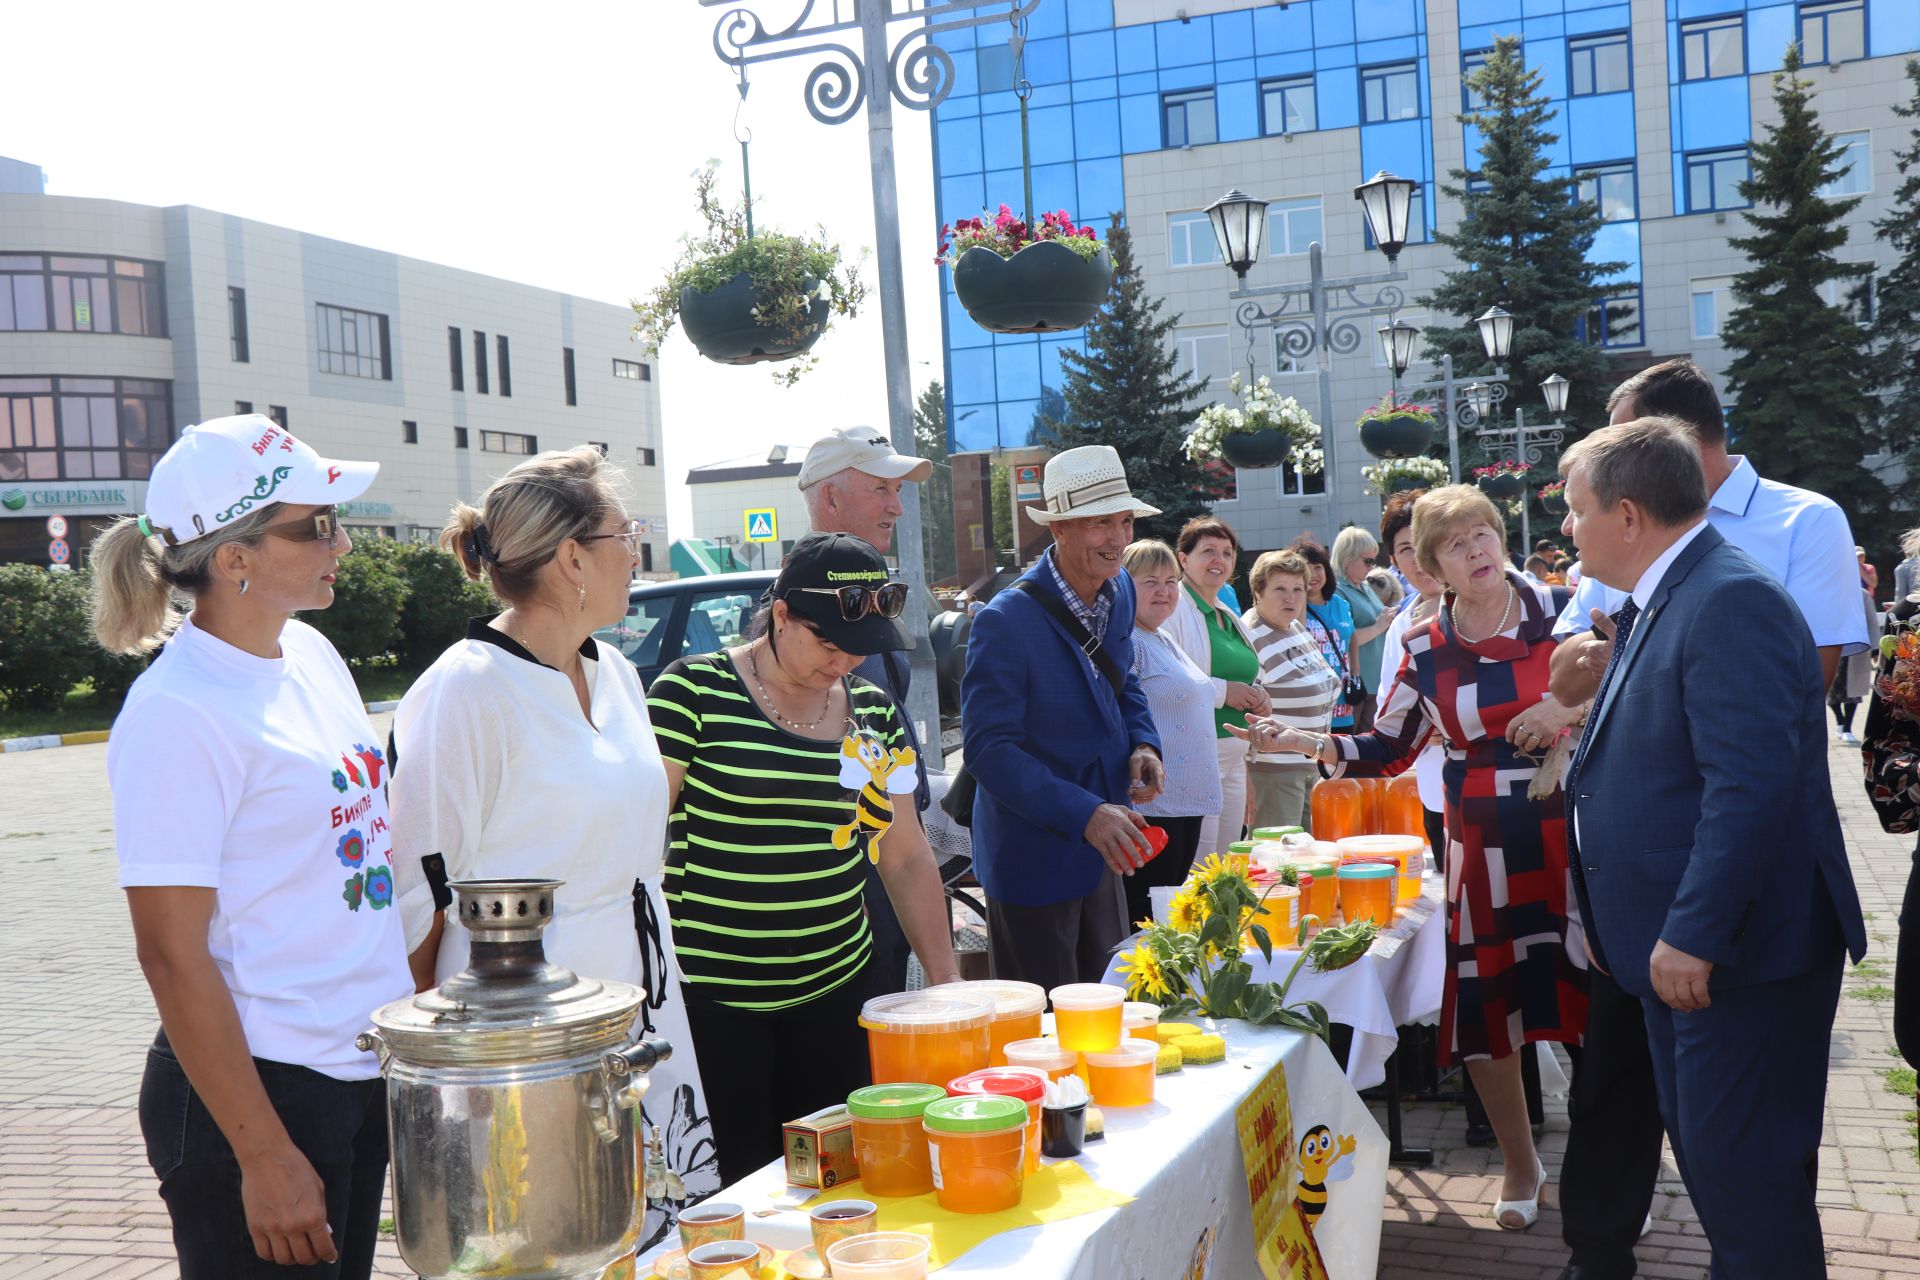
783,771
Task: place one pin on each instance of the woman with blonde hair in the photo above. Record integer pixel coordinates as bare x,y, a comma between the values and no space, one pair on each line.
251,827
526,750
1353,555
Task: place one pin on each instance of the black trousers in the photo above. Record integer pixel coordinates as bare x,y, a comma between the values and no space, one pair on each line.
1613,1142
1906,971
761,1069
1171,867
1059,942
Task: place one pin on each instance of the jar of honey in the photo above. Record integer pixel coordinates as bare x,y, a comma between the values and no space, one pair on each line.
1409,854
1017,1007
1278,913
1025,1083
1403,814
977,1147
1086,1016
1043,1054
1319,891
1123,1075
1368,891
1372,791
926,1037
888,1140
1139,1018
1339,809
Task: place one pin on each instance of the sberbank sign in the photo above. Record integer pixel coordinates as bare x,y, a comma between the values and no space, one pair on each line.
45,498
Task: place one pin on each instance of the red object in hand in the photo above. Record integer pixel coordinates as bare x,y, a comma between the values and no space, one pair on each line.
1156,839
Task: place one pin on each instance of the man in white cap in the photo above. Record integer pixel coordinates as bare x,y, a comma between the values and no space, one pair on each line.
851,481
1059,738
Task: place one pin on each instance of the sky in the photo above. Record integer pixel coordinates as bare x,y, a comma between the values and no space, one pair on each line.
552,145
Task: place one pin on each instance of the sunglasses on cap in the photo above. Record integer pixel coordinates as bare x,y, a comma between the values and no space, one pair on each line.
323,527
856,602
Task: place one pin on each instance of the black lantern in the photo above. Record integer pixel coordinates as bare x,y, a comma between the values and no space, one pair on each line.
1386,200
1555,391
1239,224
1396,344
1496,333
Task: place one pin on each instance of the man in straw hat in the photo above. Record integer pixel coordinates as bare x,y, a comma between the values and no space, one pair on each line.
1059,737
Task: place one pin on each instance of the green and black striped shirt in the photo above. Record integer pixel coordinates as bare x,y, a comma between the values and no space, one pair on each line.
766,912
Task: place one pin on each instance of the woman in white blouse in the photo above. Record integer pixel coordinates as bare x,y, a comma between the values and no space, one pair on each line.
526,751
1181,697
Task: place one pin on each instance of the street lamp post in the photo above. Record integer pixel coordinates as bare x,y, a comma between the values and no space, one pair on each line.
1461,407
1518,444
1315,317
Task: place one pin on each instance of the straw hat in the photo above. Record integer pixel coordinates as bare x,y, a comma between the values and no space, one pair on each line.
1086,482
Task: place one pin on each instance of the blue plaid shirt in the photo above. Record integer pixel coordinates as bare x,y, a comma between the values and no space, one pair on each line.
1093,617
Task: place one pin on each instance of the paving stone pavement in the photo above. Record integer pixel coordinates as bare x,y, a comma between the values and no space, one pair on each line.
77,1198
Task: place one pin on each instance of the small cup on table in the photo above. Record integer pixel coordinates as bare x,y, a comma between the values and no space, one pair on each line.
880,1255
839,1220
706,1223
724,1260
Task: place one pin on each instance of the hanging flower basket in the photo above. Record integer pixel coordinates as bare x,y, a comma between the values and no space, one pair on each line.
1016,279
1396,428
1553,497
1264,429
1396,475
747,299
1502,480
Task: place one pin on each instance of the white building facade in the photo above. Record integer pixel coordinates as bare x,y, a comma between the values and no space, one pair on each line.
724,492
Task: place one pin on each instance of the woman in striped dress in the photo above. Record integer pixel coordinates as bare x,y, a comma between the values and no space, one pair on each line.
1297,679
782,767
1477,672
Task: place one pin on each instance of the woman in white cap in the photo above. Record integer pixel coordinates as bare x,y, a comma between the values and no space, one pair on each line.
251,826
528,718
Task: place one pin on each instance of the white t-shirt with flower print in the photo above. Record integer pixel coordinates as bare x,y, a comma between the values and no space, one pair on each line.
262,778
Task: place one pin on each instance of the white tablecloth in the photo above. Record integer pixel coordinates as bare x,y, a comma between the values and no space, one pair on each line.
1398,982
1180,1159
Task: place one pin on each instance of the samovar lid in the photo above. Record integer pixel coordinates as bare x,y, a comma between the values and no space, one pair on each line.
510,1004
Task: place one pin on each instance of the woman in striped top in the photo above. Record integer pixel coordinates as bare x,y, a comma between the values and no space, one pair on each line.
783,772
1302,686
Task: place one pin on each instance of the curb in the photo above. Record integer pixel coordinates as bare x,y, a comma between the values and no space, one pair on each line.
46,741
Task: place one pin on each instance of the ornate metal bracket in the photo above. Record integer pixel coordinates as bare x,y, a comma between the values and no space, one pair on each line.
919,72
1542,443
1296,334
1433,395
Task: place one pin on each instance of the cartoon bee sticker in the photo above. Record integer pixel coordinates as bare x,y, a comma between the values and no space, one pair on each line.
1322,1161
878,775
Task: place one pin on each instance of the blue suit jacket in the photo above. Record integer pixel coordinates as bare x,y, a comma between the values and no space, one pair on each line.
1705,811
1046,741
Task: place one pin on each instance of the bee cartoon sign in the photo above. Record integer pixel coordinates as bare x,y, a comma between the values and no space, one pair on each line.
1276,1169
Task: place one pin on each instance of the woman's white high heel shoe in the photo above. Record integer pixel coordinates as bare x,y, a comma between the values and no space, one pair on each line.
1518,1215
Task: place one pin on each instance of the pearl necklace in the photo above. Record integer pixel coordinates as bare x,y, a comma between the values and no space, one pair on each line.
774,708
1513,598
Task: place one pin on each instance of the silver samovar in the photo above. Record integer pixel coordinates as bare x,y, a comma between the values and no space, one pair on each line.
513,1094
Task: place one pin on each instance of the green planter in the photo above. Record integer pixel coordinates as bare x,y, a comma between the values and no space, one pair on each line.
1503,486
1554,504
722,328
1398,437
1253,450
1044,288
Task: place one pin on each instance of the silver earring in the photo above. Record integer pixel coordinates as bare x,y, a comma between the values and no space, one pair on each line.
243,586
583,596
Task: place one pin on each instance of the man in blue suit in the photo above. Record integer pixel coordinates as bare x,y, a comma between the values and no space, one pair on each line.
1059,738
1706,851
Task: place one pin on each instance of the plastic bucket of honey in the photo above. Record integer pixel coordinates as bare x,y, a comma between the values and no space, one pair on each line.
1367,891
977,1147
1017,1007
1278,912
1319,891
1086,1016
888,1140
1408,852
1043,1054
1025,1083
1139,1018
927,1037
1123,1076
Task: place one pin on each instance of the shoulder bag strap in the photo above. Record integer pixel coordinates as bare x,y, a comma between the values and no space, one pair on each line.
1076,632
1333,638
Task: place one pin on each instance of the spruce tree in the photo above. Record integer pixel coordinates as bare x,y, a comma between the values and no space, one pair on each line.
936,495
1799,389
1522,244
1125,390
1896,323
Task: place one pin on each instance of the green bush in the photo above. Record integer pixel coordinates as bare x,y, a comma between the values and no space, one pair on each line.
368,594
45,645
440,599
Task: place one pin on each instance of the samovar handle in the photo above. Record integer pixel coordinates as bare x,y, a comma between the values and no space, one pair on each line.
371,1042
640,1056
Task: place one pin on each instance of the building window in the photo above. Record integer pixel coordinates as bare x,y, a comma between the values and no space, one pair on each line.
409,432
1190,240
480,363
566,374
1713,48
354,343
632,369
278,412
1389,93
1292,484
1287,106
646,456
1833,32
459,437
1710,302
1292,225
1416,218
237,324
243,407
1205,353
1610,187
1471,99
1854,298
1714,178
83,428
1855,177
506,366
1187,118
646,557
1285,363
601,445
456,359
508,442
1614,321
41,292
1599,64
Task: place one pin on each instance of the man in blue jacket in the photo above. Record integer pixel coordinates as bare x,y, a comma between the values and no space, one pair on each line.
1058,735
1706,851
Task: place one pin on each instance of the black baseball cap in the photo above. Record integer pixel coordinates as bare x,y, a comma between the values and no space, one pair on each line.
829,561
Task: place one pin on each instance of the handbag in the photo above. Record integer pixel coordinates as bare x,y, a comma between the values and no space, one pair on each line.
961,792
1890,747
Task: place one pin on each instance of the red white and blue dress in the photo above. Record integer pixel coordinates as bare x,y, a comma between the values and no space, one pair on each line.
1512,978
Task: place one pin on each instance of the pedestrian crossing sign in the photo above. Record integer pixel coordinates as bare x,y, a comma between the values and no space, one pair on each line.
762,525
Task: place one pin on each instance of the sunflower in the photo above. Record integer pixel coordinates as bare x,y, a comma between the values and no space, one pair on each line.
1217,867
1143,972
1188,910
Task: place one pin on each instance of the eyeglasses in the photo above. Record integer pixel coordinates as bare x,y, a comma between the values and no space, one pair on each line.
856,602
631,533
324,527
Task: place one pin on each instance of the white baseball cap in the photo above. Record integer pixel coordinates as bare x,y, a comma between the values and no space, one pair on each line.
224,468
864,449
